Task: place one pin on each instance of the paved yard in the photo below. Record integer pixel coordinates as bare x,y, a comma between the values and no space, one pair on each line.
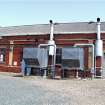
37,91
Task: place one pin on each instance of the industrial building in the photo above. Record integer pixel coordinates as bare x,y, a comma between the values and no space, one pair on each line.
65,49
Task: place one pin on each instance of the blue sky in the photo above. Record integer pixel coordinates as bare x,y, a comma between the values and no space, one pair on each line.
27,12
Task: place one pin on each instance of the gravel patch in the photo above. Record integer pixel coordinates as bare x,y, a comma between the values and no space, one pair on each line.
38,91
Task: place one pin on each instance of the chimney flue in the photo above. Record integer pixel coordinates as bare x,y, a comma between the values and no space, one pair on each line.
98,19
99,42
51,30
98,29
50,21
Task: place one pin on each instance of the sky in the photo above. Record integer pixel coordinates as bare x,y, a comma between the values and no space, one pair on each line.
27,12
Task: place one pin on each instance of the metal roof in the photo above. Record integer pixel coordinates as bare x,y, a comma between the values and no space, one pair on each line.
59,28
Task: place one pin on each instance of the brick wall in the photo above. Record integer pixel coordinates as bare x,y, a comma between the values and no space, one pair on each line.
61,41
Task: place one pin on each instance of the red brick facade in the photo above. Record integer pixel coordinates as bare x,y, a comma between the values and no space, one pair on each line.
61,40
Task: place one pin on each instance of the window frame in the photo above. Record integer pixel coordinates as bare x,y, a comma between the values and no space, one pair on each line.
59,55
2,55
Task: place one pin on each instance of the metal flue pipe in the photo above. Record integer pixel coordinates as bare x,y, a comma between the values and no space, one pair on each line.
51,49
98,29
99,42
51,42
52,30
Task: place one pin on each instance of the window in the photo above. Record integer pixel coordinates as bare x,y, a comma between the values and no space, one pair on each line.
2,55
58,55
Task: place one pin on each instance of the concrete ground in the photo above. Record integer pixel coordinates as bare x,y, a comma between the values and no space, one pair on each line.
17,90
